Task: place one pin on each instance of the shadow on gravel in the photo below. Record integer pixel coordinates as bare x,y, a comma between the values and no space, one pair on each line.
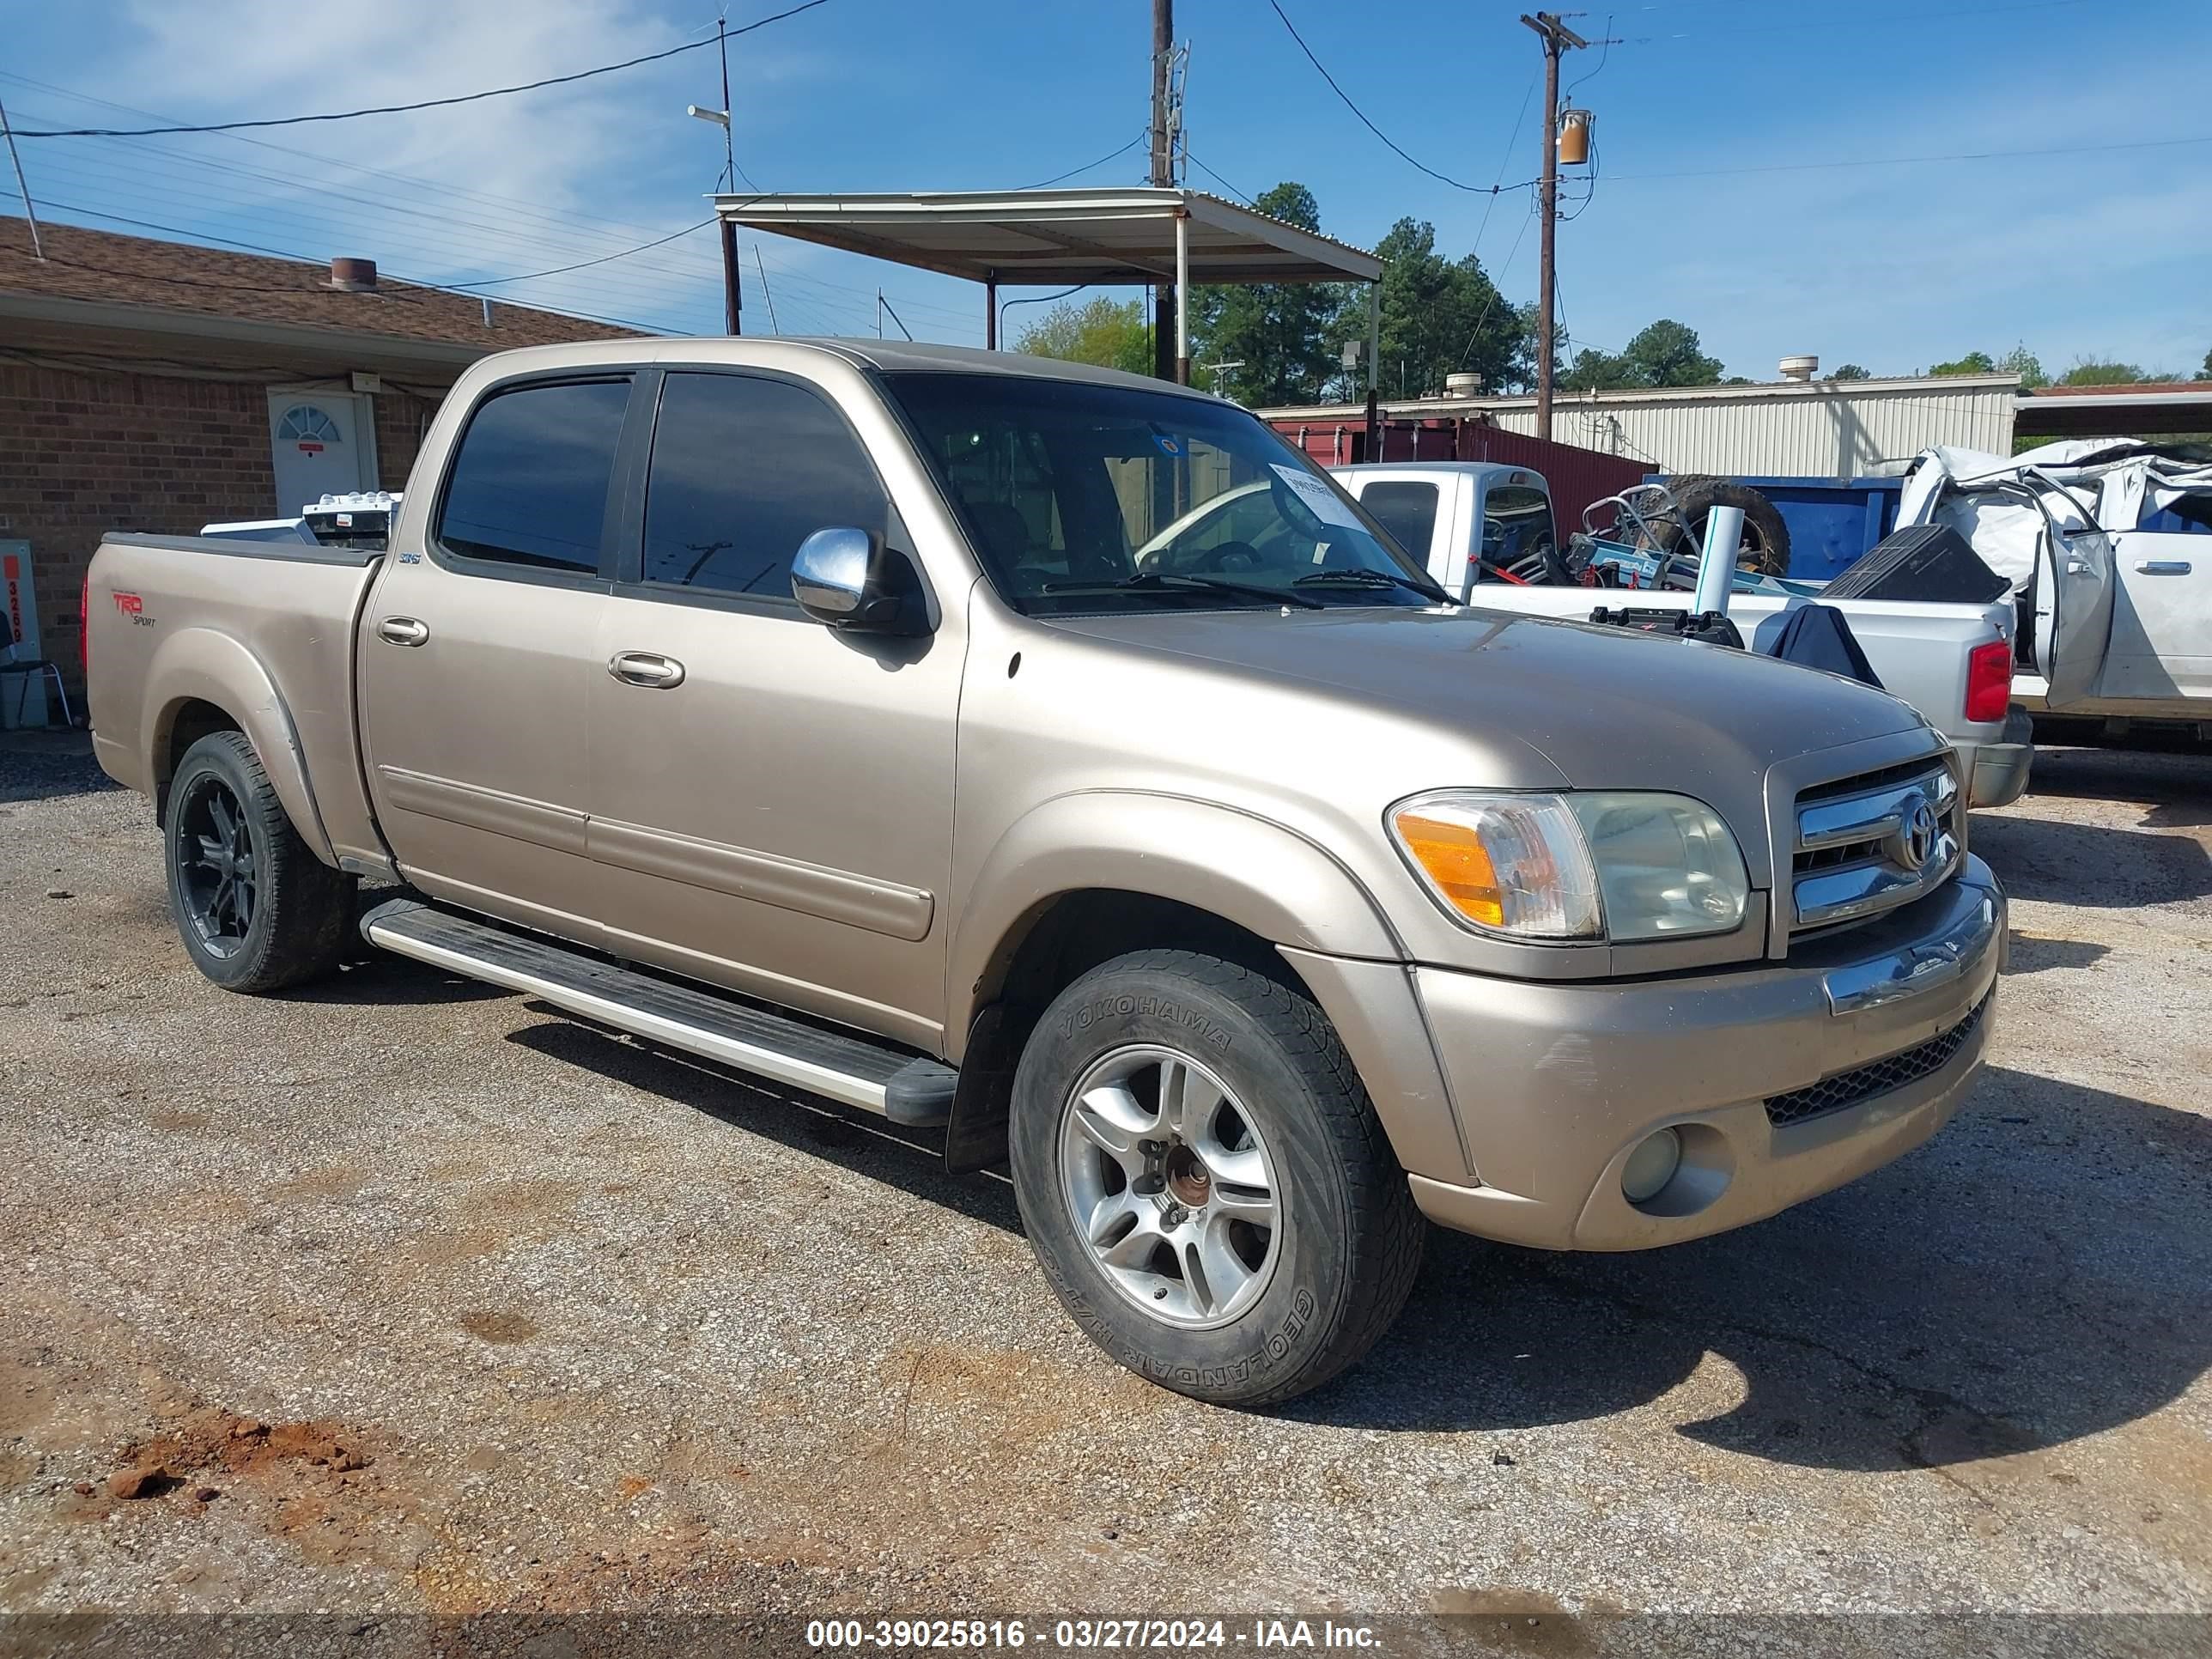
2038,1273
377,978
2031,954
2176,786
2068,863
909,1160
42,774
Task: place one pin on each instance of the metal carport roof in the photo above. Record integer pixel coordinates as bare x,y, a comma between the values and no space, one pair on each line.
1123,235
1135,234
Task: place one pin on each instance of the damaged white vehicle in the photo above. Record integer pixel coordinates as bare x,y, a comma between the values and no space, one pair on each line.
2107,542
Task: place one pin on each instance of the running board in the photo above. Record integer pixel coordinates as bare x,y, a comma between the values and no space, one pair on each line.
851,1069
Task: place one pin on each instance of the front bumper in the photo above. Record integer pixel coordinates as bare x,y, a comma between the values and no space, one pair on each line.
1554,1085
1999,770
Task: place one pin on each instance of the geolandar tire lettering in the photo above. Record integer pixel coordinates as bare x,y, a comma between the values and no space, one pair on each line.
1204,1179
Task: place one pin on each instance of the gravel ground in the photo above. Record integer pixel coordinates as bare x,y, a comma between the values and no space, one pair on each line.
435,1302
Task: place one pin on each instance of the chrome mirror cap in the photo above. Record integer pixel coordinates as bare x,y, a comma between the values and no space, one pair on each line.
829,571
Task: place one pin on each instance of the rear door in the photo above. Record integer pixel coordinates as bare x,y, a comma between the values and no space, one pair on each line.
2161,646
771,799
479,656
2074,585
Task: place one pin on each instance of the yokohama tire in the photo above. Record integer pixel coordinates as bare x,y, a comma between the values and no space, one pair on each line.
256,909
1328,1273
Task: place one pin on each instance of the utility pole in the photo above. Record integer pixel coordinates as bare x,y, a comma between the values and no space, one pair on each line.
1557,37
734,296
1163,294
30,213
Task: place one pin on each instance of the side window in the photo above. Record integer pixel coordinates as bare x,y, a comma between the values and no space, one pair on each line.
529,483
742,471
1407,511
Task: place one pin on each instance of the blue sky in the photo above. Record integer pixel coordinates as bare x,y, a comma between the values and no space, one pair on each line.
1722,125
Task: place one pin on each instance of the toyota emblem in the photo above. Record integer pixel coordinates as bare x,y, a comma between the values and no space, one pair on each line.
1916,840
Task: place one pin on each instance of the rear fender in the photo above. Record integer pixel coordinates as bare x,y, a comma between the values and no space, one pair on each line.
198,663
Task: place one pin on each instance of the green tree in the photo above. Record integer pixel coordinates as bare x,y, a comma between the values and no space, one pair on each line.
2089,371
1107,332
1850,372
1664,352
1439,317
1974,362
1594,371
1282,333
2025,363
1667,353
2207,370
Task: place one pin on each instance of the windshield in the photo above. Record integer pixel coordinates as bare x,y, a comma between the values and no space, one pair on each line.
1090,498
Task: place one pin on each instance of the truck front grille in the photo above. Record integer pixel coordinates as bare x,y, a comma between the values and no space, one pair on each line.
1870,843
1853,1088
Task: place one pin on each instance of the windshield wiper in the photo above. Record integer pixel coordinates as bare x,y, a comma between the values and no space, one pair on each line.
1160,581
1363,576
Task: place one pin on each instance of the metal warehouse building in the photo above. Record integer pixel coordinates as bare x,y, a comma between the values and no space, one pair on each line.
1794,427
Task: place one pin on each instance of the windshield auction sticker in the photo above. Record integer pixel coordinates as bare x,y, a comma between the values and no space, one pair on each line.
1317,497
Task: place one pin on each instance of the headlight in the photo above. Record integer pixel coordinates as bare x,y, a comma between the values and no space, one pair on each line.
1615,865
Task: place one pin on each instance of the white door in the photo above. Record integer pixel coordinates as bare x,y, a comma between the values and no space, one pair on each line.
2161,646
321,443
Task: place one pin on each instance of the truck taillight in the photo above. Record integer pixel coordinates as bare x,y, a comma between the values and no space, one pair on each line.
84,628
1989,681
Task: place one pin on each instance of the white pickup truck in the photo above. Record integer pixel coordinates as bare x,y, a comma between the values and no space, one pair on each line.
1952,662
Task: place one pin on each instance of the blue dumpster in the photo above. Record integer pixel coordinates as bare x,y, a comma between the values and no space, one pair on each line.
1832,521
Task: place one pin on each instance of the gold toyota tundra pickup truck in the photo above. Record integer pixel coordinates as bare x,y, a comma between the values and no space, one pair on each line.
836,711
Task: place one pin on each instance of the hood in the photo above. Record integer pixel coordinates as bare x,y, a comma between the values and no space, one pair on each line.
1608,708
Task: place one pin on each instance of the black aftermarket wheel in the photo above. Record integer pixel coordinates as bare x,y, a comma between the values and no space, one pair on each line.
256,909
1204,1179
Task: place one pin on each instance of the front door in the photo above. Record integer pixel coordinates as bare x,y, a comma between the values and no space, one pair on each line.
771,799
478,656
319,445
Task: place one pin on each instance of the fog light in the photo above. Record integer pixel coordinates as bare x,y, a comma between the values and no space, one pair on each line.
1651,1166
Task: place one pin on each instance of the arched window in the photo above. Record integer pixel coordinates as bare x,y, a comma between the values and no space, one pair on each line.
309,426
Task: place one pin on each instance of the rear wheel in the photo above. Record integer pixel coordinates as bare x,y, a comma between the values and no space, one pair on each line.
257,910
1205,1182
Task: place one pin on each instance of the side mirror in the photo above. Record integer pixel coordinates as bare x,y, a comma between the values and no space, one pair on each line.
846,577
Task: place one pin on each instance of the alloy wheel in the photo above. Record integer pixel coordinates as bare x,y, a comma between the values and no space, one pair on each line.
216,868
1169,1185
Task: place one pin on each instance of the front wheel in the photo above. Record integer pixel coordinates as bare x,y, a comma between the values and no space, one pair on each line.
1205,1182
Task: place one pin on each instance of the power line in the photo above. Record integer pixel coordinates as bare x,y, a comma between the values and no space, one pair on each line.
429,103
1504,163
1141,137
1218,179
287,253
1442,177
585,264
1916,160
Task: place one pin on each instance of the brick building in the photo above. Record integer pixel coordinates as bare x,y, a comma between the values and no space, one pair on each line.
159,386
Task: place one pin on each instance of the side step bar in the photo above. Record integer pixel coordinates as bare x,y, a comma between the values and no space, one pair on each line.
899,1086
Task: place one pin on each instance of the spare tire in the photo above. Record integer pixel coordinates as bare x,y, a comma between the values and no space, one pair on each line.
1766,547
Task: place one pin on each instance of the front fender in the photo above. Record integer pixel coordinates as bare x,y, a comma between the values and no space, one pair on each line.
198,663
1268,880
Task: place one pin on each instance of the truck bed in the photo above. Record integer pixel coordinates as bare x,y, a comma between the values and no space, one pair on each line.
227,622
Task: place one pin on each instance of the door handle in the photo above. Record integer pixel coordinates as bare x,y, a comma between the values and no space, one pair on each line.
2164,567
402,630
645,668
